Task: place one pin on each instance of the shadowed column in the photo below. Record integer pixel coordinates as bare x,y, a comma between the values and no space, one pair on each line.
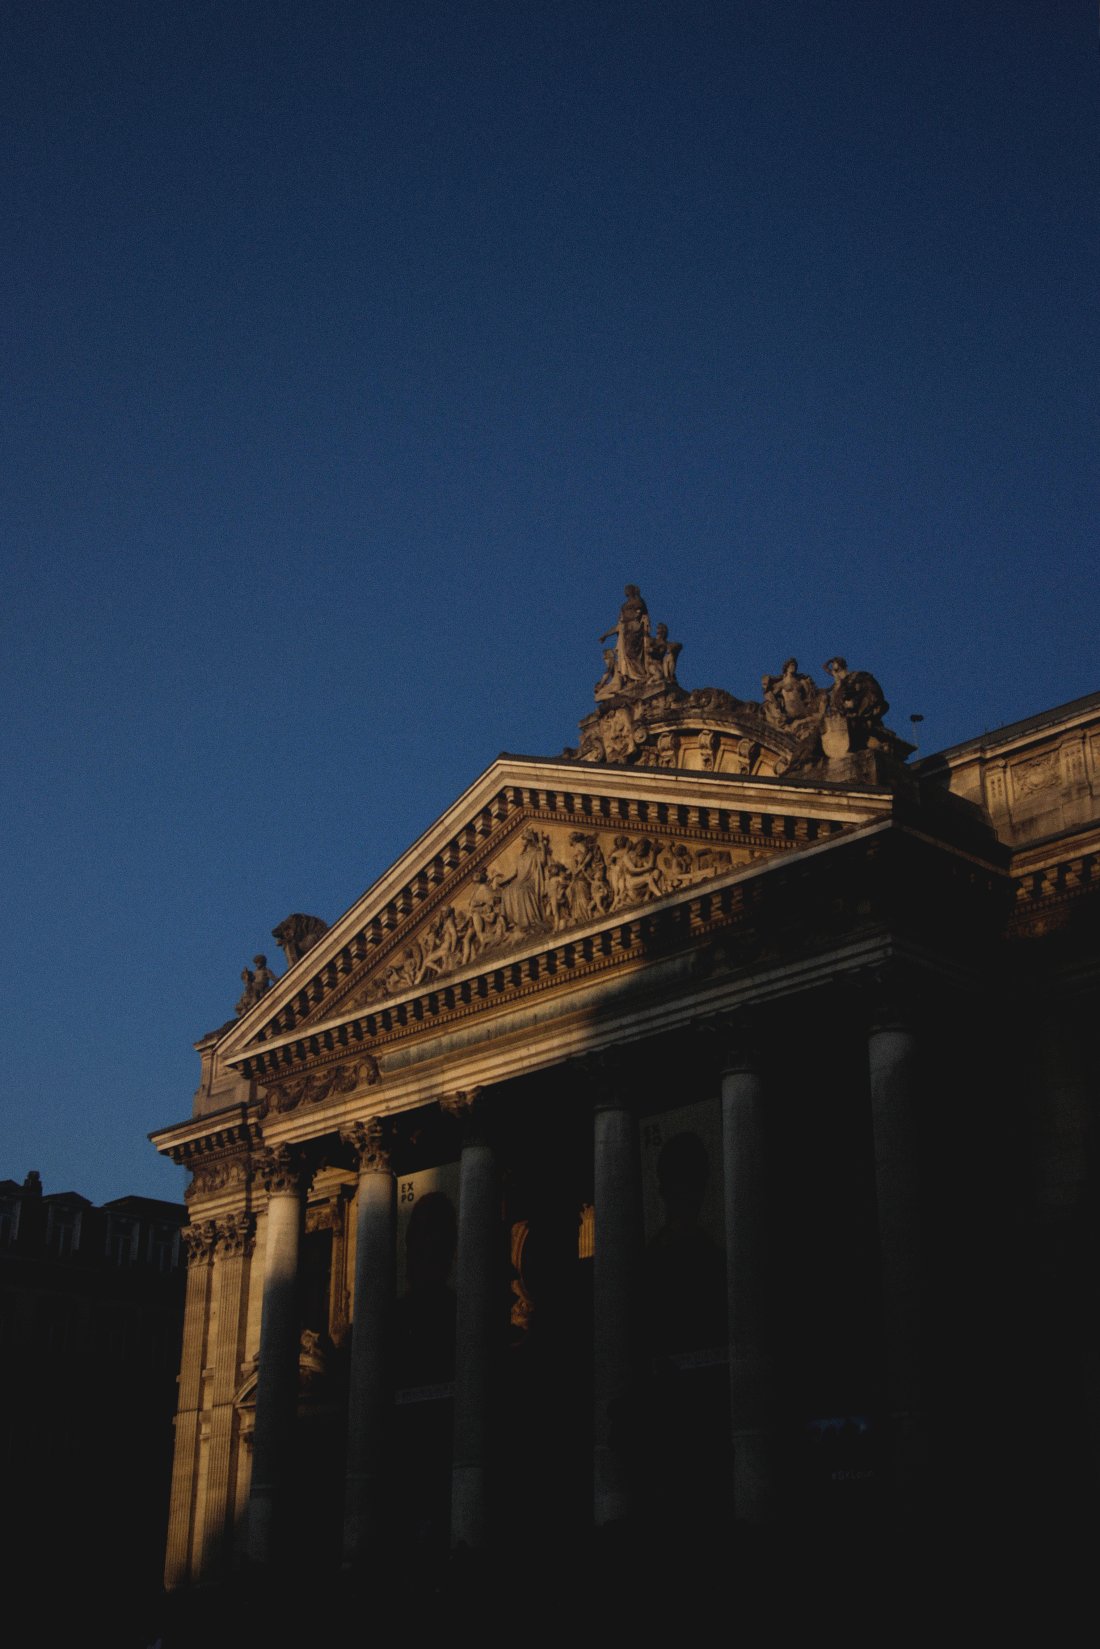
478,1233
277,1375
746,1287
199,1241
234,1244
617,1195
370,1396
892,1064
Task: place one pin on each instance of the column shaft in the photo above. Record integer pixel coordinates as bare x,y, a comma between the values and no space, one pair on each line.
478,1222
277,1376
746,1296
892,1067
229,1298
185,1458
370,1396
617,1188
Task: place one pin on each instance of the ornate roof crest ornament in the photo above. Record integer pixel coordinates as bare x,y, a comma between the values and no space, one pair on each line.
645,718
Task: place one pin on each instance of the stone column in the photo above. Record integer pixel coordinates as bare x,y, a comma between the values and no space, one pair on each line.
277,1375
747,1305
199,1240
617,1187
476,1276
234,1243
370,1396
891,1054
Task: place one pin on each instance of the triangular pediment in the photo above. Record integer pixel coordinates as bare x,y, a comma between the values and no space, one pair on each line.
534,854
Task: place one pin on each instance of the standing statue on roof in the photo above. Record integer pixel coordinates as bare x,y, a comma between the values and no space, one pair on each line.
639,659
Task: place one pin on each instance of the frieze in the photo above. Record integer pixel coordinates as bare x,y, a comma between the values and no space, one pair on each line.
551,881
224,1174
315,1086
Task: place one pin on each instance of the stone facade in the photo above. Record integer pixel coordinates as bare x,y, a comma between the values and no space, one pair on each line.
674,1134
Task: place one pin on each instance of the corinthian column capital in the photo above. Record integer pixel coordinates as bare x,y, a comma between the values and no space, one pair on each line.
370,1140
281,1168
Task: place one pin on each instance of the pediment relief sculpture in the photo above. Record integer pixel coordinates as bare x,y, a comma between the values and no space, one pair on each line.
550,880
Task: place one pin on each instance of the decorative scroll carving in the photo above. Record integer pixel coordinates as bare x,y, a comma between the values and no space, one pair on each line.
257,981
370,1141
559,879
236,1233
222,1175
280,1168
316,1086
199,1240
298,933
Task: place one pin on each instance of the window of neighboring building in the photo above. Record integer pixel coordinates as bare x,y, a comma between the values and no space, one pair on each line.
62,1231
122,1240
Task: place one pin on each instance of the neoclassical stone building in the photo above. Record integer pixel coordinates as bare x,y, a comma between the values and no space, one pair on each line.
696,1125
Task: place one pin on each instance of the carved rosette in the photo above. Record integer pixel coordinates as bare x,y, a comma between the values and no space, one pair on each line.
199,1241
281,1168
370,1141
236,1233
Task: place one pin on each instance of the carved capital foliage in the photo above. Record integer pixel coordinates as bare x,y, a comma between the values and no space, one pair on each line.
281,1168
736,1037
370,1141
200,1240
604,1078
236,1233
467,1107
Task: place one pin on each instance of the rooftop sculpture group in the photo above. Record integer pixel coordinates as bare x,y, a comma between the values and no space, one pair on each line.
644,716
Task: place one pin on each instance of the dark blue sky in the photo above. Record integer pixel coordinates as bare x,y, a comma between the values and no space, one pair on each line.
358,353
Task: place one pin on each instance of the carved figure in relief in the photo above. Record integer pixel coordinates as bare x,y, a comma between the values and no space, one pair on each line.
855,693
522,893
248,994
640,873
297,934
557,888
631,634
661,656
674,866
617,871
257,981
791,700
605,686
485,918
441,949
